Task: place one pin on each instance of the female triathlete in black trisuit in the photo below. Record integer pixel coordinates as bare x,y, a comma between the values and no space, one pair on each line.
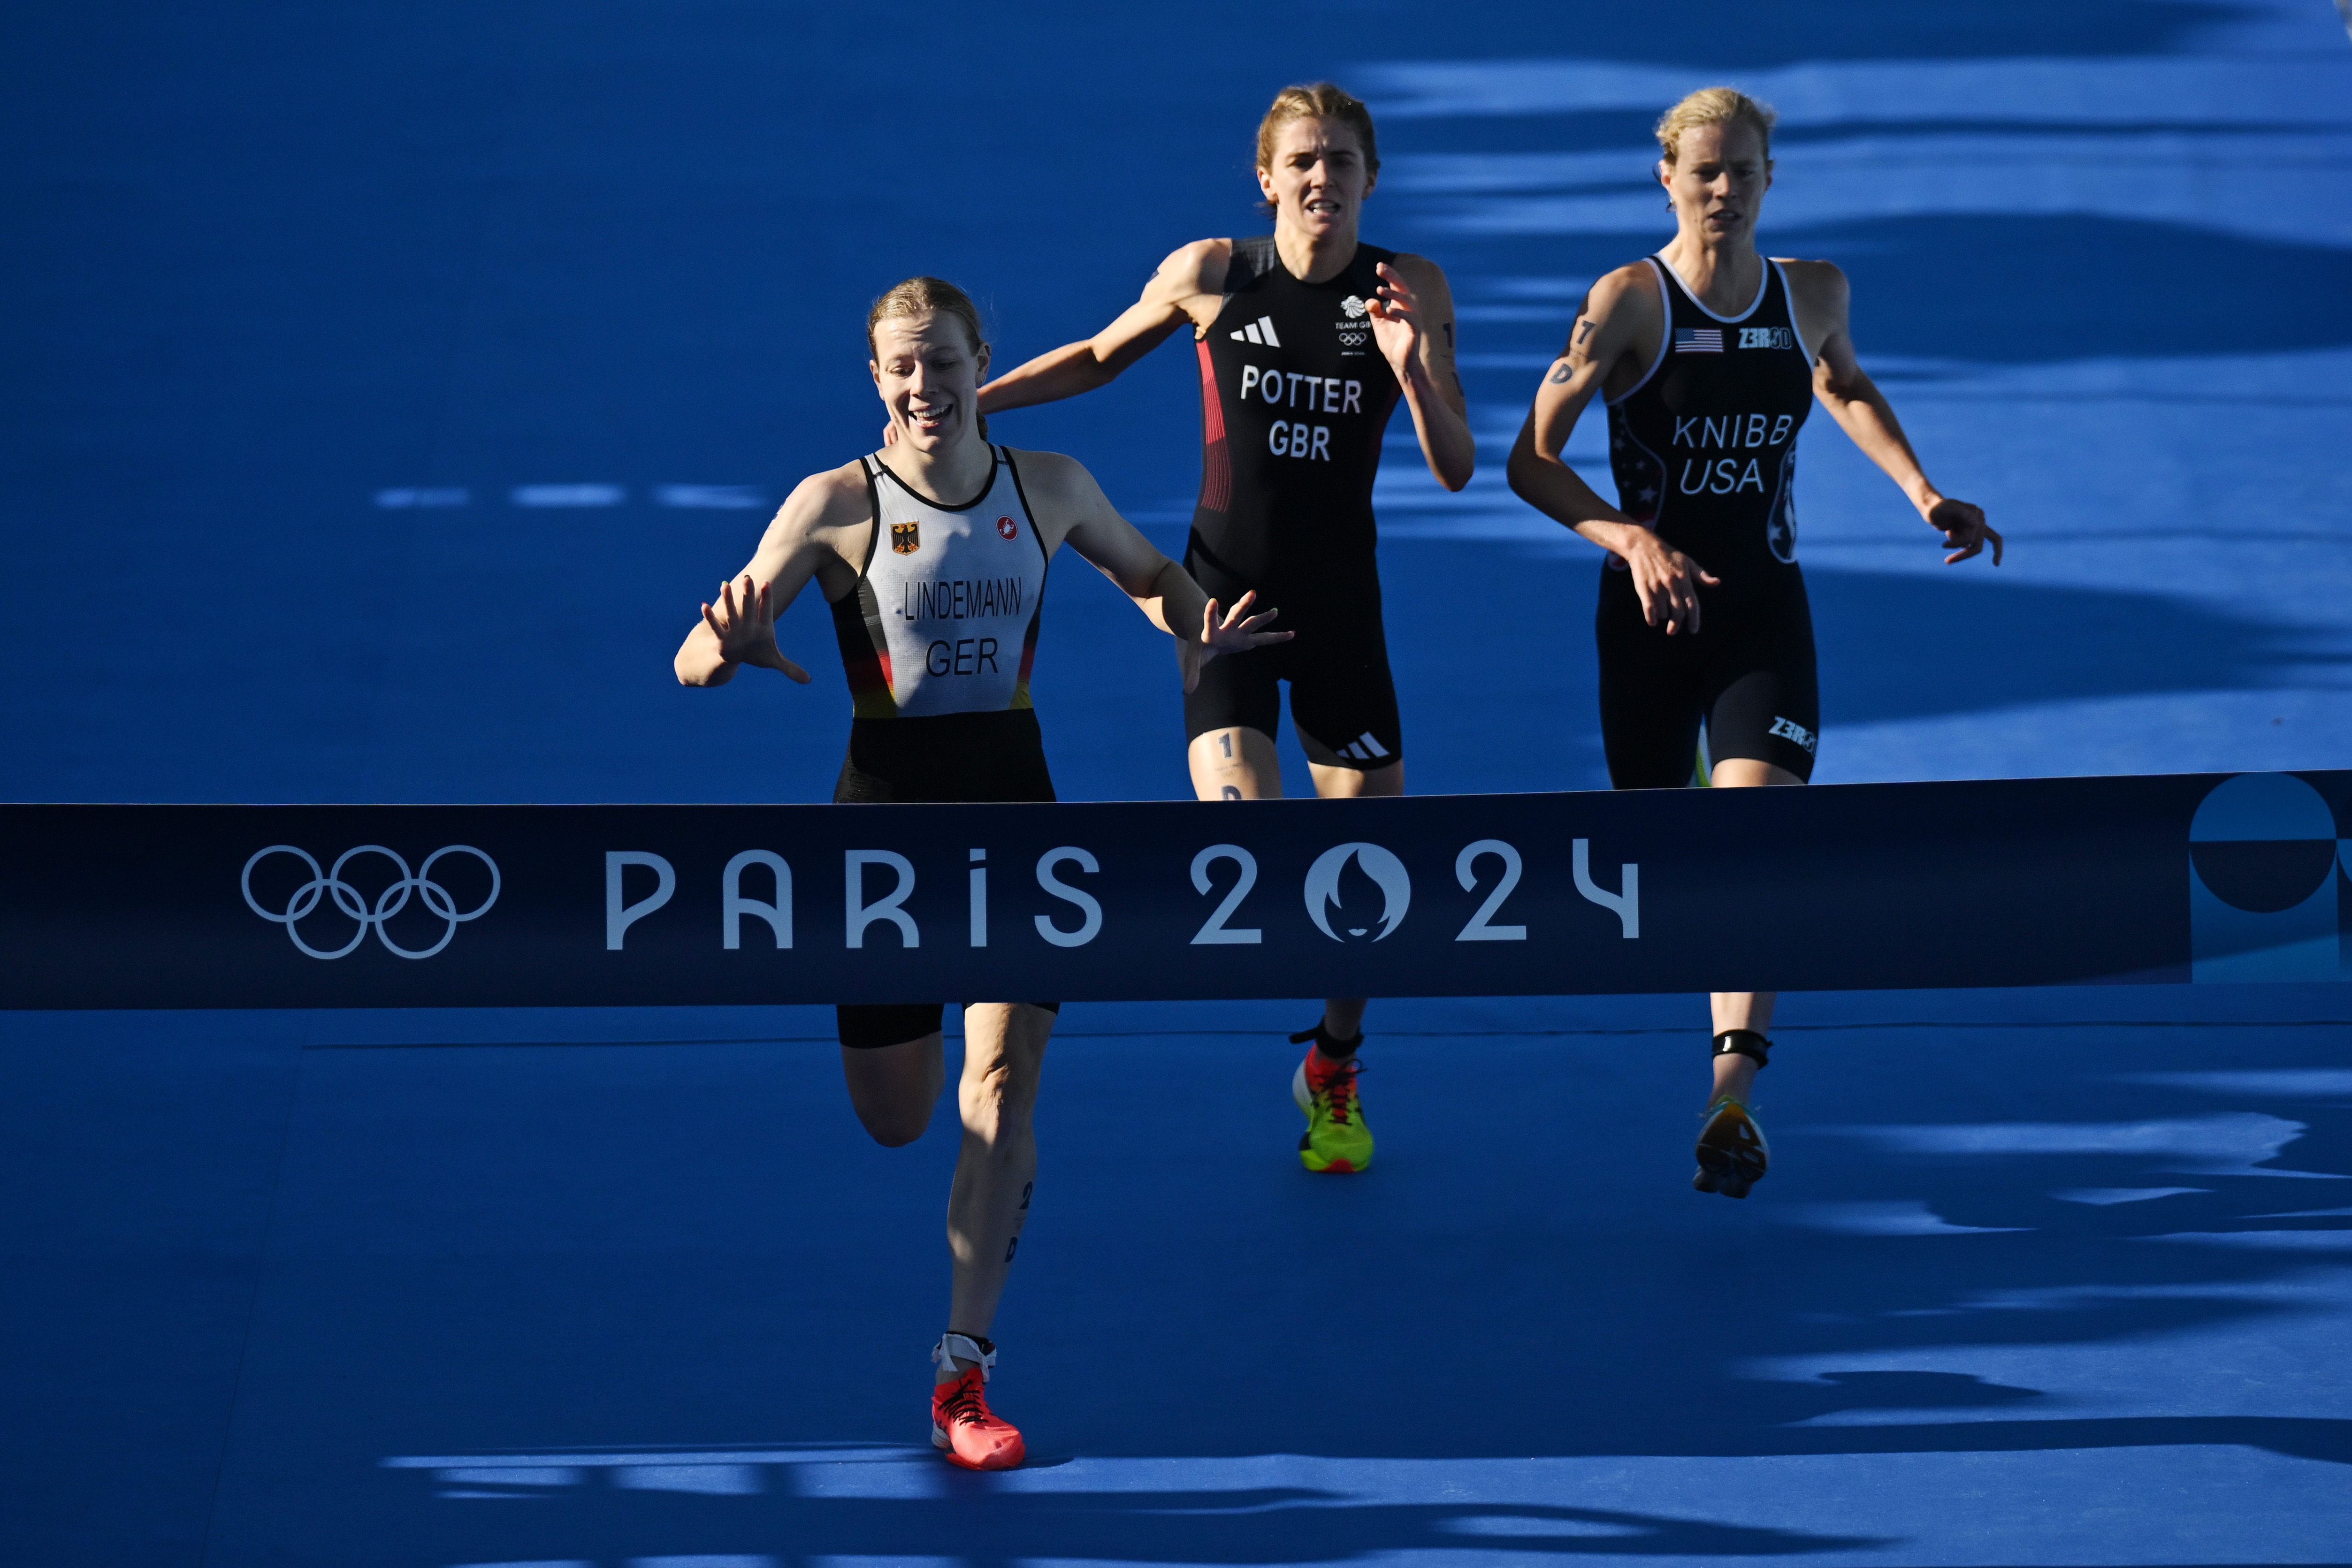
1307,338
940,689
1709,357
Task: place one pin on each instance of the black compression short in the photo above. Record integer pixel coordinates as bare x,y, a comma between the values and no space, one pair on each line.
959,756
871,1028
1748,676
954,757
1338,666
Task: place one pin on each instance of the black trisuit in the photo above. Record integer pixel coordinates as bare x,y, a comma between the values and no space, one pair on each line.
1704,453
1294,401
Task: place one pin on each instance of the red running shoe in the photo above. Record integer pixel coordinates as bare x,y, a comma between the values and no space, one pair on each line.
963,1427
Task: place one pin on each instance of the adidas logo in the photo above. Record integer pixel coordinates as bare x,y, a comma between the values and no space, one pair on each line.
1260,332
1364,748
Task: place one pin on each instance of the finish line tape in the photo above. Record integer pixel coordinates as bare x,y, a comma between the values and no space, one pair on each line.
1837,887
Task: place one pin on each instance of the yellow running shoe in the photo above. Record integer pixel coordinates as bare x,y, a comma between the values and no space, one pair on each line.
1732,1152
1336,1139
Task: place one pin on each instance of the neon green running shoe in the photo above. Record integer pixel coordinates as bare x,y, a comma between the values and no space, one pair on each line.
1336,1139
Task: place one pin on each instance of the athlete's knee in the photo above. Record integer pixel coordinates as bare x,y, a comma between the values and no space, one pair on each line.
895,1112
1748,773
1338,781
893,1087
1004,1059
1007,1083
894,1125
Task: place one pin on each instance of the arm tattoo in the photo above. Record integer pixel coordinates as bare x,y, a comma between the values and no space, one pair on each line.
1449,334
1562,373
1583,329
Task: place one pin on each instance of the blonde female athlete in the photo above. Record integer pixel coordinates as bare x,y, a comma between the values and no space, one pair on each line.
942,698
1307,338
1708,356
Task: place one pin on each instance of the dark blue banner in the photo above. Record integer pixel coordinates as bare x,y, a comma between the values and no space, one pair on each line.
2013,883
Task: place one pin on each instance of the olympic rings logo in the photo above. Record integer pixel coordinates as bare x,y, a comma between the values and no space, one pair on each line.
352,902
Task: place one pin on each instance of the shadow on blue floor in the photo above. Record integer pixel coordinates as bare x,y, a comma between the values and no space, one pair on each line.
1977,1241
1897,645
1242,1525
503,1270
270,1301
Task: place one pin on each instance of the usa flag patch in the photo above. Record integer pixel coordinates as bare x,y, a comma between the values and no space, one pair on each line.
1699,339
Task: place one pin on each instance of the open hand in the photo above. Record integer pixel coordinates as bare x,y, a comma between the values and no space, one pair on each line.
746,628
1237,632
1667,583
1964,528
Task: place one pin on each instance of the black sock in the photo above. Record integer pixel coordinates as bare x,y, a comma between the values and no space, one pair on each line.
1327,1047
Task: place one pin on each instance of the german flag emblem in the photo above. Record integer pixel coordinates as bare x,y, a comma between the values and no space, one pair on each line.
906,538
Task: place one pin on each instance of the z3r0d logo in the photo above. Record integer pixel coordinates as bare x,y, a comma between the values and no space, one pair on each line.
351,902
1325,889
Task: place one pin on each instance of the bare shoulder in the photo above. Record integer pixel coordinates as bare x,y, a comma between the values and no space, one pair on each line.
1059,491
1633,286
1620,314
1052,478
1815,283
1191,269
1419,271
824,504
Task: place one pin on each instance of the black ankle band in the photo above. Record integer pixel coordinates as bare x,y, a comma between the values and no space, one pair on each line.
1337,1049
1745,1043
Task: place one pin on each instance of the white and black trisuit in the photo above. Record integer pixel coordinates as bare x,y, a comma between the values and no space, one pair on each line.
1704,449
1295,398
938,635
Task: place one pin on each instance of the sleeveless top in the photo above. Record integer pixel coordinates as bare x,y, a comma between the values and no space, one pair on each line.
1294,401
1704,448
944,616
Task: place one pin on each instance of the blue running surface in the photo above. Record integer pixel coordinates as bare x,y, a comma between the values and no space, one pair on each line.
385,386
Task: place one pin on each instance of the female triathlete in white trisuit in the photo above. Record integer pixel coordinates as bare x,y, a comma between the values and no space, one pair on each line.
940,689
1307,339
1709,357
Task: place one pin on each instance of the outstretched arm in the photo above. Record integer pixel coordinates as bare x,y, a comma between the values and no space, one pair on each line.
1072,510
1412,322
1182,280
1618,320
1862,411
740,627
